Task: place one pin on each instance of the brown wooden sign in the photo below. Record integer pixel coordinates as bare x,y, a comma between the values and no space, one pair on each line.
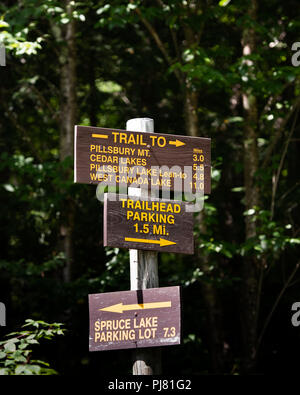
149,160
135,319
148,224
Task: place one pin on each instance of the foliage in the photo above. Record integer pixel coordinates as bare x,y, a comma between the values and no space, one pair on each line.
16,355
136,59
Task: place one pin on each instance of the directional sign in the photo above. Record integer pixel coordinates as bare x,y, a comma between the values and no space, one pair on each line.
150,160
149,224
134,319
120,307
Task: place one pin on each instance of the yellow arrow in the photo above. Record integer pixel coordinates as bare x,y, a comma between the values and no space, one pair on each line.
161,242
119,307
177,143
100,136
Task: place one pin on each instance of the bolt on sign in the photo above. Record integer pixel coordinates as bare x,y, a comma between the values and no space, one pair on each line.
135,319
148,224
149,160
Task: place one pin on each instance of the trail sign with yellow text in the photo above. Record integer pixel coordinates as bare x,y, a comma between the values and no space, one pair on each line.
135,319
148,224
149,160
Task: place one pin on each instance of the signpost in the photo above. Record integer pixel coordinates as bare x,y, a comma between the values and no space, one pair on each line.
148,224
143,270
146,316
150,160
135,319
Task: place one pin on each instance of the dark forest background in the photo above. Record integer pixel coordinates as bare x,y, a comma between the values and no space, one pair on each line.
224,70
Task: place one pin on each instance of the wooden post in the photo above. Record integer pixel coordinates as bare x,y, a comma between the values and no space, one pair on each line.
143,270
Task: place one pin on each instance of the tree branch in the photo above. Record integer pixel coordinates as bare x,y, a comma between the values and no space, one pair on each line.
273,99
278,134
23,131
176,46
274,189
159,43
275,305
43,101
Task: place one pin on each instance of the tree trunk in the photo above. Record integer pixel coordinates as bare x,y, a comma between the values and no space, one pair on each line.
250,271
67,122
190,110
68,88
191,94
209,294
213,311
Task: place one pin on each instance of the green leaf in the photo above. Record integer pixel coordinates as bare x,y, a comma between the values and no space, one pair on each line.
251,211
32,341
2,354
10,346
20,358
238,189
9,187
103,9
224,3
3,24
4,372
294,241
20,369
65,21
234,120
33,369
